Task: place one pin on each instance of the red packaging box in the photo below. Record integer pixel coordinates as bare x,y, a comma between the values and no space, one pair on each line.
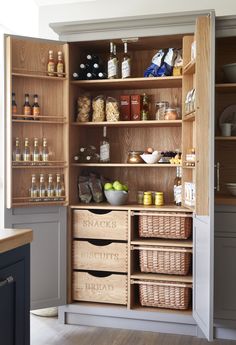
125,107
135,107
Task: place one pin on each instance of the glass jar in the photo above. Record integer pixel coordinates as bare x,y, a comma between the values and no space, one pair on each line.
147,198
159,199
161,109
140,195
134,157
171,114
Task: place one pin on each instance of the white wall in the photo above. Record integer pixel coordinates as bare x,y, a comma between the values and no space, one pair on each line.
99,9
20,17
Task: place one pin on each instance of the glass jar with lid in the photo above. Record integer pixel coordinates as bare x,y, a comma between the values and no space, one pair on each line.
171,114
161,109
134,157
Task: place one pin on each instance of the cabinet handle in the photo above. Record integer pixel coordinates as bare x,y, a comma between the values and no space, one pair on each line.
8,280
217,166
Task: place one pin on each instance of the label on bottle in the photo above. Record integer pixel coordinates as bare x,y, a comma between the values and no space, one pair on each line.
178,194
36,111
33,193
42,192
27,110
44,156
17,157
105,152
51,68
112,68
14,109
60,68
125,69
36,157
50,193
26,157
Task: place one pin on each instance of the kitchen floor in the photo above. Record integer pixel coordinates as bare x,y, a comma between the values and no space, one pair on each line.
48,331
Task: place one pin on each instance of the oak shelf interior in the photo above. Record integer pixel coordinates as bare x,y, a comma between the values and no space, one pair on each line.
149,123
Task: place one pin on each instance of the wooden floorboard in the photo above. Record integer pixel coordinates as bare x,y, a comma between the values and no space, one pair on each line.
48,331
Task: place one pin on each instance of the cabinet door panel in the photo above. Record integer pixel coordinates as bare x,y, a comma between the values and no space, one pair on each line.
225,278
204,219
48,252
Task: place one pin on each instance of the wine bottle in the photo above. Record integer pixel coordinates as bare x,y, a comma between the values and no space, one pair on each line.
178,187
104,147
112,64
126,63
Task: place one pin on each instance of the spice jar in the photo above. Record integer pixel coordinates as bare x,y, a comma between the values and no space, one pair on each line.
140,197
161,109
134,157
147,198
171,114
159,199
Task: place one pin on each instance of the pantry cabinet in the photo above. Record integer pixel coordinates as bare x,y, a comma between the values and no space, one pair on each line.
105,277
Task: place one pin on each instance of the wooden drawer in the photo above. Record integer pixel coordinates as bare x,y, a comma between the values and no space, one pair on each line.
109,289
111,257
112,225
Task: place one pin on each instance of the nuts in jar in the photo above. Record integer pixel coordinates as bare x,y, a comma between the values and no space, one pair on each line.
171,114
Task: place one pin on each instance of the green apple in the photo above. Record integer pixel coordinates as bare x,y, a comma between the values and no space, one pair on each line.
118,186
108,186
125,188
116,183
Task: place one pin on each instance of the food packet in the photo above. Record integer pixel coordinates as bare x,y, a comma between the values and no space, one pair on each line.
83,108
98,109
157,60
96,188
84,190
166,68
178,64
112,110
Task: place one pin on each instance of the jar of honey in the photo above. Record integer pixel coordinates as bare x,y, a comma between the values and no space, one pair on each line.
147,198
159,199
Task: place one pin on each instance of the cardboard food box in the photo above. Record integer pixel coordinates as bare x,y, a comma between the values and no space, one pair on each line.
135,107
125,107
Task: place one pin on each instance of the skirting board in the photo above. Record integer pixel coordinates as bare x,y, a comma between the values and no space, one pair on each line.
127,319
225,333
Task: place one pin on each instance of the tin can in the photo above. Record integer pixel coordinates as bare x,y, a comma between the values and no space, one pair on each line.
159,199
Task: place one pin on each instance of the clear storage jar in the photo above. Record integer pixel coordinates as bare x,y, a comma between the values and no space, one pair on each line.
161,109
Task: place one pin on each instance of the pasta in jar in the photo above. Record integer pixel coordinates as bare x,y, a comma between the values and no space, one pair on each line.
98,109
83,108
112,110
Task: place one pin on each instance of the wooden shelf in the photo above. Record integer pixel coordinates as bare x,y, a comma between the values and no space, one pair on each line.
225,199
226,87
163,243
220,138
189,116
40,165
21,117
133,207
150,123
36,75
189,68
126,165
130,83
39,121
188,166
26,201
162,277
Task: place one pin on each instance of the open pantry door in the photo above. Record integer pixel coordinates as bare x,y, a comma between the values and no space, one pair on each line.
203,234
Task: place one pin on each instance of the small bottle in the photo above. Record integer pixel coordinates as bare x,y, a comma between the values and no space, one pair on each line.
178,187
51,64
50,186
147,198
58,188
60,65
13,104
34,191
35,108
27,108
104,147
117,62
126,63
145,107
36,155
42,186
45,152
26,151
112,64
16,153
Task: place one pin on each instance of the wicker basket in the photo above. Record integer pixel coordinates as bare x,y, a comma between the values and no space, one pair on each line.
165,294
166,260
165,225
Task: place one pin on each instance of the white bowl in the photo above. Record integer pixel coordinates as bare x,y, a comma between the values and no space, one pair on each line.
151,158
231,188
116,197
230,72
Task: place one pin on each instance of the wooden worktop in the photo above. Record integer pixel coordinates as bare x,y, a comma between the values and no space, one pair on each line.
14,238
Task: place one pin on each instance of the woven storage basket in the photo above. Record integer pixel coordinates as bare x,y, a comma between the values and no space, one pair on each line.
165,295
165,225
166,260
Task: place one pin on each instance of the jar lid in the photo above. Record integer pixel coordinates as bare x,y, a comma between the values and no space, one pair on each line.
162,103
159,193
147,193
171,109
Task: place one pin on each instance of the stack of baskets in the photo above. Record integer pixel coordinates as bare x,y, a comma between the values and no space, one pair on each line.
165,260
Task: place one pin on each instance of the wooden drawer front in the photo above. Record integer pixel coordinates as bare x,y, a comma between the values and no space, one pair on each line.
111,289
111,257
112,225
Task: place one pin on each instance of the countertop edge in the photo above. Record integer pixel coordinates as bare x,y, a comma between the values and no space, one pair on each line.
14,238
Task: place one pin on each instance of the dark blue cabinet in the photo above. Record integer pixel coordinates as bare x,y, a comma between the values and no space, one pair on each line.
15,296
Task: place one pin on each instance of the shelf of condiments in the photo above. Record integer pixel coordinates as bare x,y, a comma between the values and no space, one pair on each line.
51,190
30,112
166,62
126,108
39,154
55,68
